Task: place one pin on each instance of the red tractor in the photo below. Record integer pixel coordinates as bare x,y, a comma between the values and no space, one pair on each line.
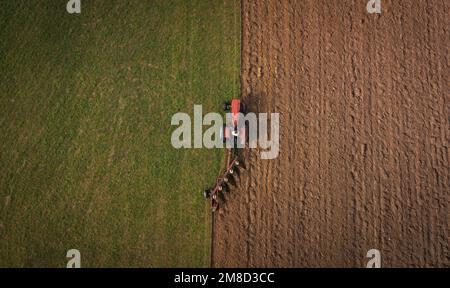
235,131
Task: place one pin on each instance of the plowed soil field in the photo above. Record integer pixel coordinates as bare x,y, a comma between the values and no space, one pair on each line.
364,137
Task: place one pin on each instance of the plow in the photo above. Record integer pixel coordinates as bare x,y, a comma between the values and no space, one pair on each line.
235,134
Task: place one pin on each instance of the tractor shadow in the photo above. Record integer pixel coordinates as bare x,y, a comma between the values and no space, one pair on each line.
255,102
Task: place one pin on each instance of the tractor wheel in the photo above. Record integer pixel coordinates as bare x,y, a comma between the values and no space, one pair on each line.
243,108
224,138
226,106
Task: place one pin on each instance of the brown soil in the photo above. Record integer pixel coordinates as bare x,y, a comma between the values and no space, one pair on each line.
364,136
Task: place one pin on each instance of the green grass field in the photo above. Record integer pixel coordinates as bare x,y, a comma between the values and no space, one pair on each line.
85,108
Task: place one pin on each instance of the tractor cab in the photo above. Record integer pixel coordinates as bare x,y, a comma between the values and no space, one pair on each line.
235,130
